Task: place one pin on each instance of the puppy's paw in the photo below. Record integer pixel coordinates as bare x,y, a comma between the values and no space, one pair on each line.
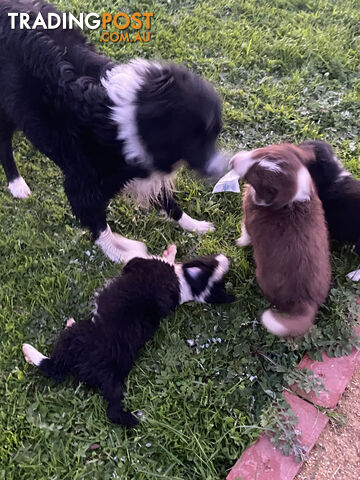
243,241
19,188
170,253
32,356
121,417
354,276
70,322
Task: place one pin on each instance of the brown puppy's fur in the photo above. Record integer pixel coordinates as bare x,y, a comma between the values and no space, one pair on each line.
284,221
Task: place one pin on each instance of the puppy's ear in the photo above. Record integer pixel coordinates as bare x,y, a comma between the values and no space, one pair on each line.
306,153
218,294
261,181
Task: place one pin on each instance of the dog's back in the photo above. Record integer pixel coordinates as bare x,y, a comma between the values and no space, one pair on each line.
291,253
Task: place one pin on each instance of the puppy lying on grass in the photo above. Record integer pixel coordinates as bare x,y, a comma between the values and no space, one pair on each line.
284,221
101,351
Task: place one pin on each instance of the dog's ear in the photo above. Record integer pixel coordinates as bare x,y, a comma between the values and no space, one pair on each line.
262,182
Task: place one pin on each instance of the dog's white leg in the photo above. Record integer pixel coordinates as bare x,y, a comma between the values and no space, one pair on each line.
32,355
120,249
170,253
18,188
245,239
192,225
354,276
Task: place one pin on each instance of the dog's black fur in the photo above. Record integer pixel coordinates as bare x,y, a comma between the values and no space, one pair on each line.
101,351
51,88
338,191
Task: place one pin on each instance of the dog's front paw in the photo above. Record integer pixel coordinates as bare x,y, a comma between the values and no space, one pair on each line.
192,225
354,276
19,188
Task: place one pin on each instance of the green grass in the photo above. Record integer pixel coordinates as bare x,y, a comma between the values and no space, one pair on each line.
286,70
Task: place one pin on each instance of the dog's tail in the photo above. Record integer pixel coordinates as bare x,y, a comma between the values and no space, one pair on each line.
290,324
48,366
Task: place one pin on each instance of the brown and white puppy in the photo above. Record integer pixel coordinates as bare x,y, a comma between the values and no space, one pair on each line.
284,221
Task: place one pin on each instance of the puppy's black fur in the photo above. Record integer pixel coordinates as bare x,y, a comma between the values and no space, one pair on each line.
338,191
52,88
101,351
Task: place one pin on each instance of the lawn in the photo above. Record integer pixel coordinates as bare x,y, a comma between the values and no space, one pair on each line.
286,71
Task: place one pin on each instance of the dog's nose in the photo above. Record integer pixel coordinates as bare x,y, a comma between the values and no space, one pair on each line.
216,166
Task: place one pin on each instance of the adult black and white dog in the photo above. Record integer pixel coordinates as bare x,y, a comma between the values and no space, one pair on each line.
110,128
339,192
101,351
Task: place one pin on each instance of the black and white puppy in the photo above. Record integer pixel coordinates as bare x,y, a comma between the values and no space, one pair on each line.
110,128
339,192
101,351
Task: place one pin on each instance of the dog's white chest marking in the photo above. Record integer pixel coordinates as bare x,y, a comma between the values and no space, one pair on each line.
145,191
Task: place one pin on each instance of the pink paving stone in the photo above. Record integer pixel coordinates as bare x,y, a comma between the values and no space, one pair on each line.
262,461
336,373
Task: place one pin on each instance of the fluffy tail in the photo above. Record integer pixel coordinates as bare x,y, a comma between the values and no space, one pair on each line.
46,365
290,324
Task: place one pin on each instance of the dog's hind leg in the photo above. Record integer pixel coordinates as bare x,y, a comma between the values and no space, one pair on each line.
17,185
113,393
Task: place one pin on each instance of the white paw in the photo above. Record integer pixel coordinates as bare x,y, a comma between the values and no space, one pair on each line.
192,225
32,355
120,249
70,322
243,241
19,189
354,276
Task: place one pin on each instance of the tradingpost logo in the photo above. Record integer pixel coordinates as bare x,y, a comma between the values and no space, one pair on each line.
124,27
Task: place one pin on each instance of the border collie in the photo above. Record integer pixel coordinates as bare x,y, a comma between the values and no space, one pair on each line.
284,221
110,128
101,351
339,193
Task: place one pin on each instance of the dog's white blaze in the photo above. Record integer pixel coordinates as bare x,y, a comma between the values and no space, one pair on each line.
185,290
145,191
354,276
19,188
242,162
270,166
272,324
219,272
303,186
122,84
119,248
192,225
32,355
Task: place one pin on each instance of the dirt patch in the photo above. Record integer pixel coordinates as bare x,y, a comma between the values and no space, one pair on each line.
336,456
